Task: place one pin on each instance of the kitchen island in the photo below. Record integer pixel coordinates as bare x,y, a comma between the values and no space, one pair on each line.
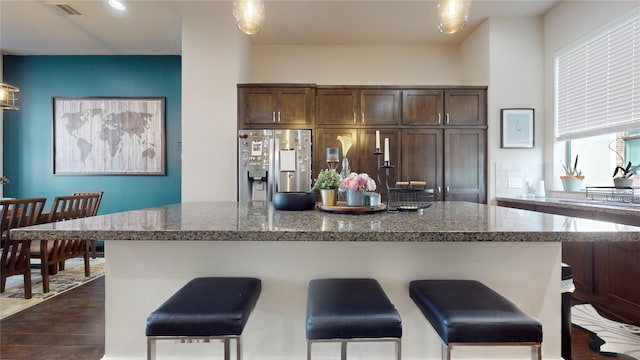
150,253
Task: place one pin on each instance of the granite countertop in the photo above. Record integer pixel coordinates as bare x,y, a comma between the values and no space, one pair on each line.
259,221
579,204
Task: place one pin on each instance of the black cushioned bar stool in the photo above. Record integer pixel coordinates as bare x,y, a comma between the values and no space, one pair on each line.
349,310
468,313
208,308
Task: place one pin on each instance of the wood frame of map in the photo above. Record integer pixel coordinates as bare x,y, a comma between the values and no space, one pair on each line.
109,136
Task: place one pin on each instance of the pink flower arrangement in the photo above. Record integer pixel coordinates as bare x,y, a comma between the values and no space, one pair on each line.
358,182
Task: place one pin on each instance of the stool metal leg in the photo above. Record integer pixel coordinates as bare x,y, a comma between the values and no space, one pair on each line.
343,350
446,351
536,352
227,349
238,349
308,350
151,349
398,349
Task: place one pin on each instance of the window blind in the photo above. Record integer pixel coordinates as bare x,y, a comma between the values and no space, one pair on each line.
598,81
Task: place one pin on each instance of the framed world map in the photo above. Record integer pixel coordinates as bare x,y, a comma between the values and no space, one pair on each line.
109,136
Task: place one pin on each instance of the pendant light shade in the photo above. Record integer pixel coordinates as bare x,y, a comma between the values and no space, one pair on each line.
8,97
249,15
452,15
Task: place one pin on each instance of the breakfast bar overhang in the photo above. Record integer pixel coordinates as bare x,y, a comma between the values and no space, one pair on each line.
151,253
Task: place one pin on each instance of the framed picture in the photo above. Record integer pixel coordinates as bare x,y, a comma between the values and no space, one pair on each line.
517,128
109,136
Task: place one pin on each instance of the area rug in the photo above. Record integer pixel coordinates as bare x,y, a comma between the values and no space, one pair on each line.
610,337
13,301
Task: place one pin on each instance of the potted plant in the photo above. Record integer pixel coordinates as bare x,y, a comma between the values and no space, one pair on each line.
4,180
624,179
572,179
356,186
328,182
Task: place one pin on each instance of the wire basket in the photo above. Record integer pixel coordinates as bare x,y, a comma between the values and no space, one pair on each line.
613,194
409,199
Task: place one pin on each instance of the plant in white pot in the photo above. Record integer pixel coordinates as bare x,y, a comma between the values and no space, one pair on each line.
624,175
328,182
572,179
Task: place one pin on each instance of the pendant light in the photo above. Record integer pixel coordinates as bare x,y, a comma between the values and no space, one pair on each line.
249,15
452,15
8,96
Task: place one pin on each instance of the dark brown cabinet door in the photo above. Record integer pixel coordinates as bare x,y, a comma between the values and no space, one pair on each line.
324,138
273,106
422,158
295,106
464,166
336,106
465,107
379,107
422,107
256,106
369,161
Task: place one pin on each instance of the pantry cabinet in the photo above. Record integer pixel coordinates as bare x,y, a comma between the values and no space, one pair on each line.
451,161
277,106
465,165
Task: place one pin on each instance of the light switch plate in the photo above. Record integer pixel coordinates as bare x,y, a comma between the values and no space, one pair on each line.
514,183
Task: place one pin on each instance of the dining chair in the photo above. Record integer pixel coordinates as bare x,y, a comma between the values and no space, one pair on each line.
54,253
93,244
14,254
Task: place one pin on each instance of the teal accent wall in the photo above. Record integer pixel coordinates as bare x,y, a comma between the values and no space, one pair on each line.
28,132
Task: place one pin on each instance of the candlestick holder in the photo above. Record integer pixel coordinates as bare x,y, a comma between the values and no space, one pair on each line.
377,153
386,165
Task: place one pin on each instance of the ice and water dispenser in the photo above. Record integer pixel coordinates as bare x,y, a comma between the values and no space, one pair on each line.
273,161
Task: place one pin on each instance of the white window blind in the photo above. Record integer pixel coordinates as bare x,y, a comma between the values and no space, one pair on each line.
598,81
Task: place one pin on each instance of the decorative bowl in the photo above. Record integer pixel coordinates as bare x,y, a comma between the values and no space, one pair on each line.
294,200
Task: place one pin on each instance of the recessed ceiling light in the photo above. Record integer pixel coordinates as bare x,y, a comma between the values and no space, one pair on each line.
118,5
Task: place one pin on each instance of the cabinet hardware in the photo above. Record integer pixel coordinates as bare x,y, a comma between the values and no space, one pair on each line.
447,118
273,117
439,118
363,117
278,116
354,117
447,191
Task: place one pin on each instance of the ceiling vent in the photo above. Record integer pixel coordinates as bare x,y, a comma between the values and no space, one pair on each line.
67,9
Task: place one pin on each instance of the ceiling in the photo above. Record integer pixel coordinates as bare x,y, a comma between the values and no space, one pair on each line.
149,27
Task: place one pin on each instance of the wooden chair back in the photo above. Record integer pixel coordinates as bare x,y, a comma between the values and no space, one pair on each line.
14,255
93,245
97,203
53,253
74,207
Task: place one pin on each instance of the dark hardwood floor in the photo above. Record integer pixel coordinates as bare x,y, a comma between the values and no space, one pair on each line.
67,327
71,326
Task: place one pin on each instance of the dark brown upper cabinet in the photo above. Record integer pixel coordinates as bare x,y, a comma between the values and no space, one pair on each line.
278,106
447,107
358,107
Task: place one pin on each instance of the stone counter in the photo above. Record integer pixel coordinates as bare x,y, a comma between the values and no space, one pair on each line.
258,221
151,253
628,214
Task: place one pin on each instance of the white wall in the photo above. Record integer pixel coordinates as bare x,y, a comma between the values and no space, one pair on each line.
214,57
356,65
516,81
561,28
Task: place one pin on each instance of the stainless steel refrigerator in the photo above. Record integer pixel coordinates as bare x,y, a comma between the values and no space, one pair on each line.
273,160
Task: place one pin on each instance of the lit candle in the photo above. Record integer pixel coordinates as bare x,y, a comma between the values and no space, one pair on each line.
386,149
377,140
